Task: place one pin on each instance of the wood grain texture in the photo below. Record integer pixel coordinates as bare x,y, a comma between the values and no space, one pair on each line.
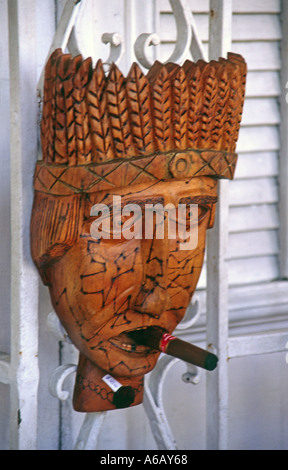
54,227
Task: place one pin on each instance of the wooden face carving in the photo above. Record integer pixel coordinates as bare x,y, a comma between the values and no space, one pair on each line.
161,140
102,289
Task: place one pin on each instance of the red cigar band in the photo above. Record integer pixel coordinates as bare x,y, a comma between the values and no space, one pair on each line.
166,338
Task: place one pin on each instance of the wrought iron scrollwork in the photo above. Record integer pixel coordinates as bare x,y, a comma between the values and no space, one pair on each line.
187,39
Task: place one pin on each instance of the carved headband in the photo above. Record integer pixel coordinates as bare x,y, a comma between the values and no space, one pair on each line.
101,132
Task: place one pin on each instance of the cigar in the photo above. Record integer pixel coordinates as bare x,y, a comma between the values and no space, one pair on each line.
154,338
123,395
188,352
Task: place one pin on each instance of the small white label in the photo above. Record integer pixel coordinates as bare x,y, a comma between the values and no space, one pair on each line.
111,382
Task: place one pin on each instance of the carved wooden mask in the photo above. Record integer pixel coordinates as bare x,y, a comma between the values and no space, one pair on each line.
164,138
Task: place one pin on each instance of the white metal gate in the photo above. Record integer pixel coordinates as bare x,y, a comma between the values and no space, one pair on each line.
20,370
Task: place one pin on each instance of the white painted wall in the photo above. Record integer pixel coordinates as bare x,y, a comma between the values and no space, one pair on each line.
4,218
258,384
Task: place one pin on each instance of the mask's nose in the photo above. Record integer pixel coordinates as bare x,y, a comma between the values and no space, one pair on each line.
153,298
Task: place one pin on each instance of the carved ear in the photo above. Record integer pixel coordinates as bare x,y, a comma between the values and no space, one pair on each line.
54,229
212,216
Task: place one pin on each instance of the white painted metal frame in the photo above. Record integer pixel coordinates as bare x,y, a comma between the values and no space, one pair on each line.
217,271
228,347
21,370
63,33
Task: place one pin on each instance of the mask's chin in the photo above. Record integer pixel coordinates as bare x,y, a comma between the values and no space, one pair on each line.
132,354
93,394
117,347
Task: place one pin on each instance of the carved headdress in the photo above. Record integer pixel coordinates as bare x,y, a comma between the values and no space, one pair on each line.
102,132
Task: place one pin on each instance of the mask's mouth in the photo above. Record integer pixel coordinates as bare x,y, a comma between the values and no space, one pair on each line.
135,341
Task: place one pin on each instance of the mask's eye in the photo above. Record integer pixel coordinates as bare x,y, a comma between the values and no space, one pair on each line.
202,211
189,215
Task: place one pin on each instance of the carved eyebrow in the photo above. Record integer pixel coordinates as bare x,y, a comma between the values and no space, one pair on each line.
140,202
198,200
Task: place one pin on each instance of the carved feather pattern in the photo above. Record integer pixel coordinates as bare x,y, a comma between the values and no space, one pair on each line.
221,105
162,104
46,136
237,59
118,113
231,125
48,131
82,130
227,126
98,116
46,104
88,117
60,144
210,89
180,97
140,108
69,106
236,86
193,74
52,127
